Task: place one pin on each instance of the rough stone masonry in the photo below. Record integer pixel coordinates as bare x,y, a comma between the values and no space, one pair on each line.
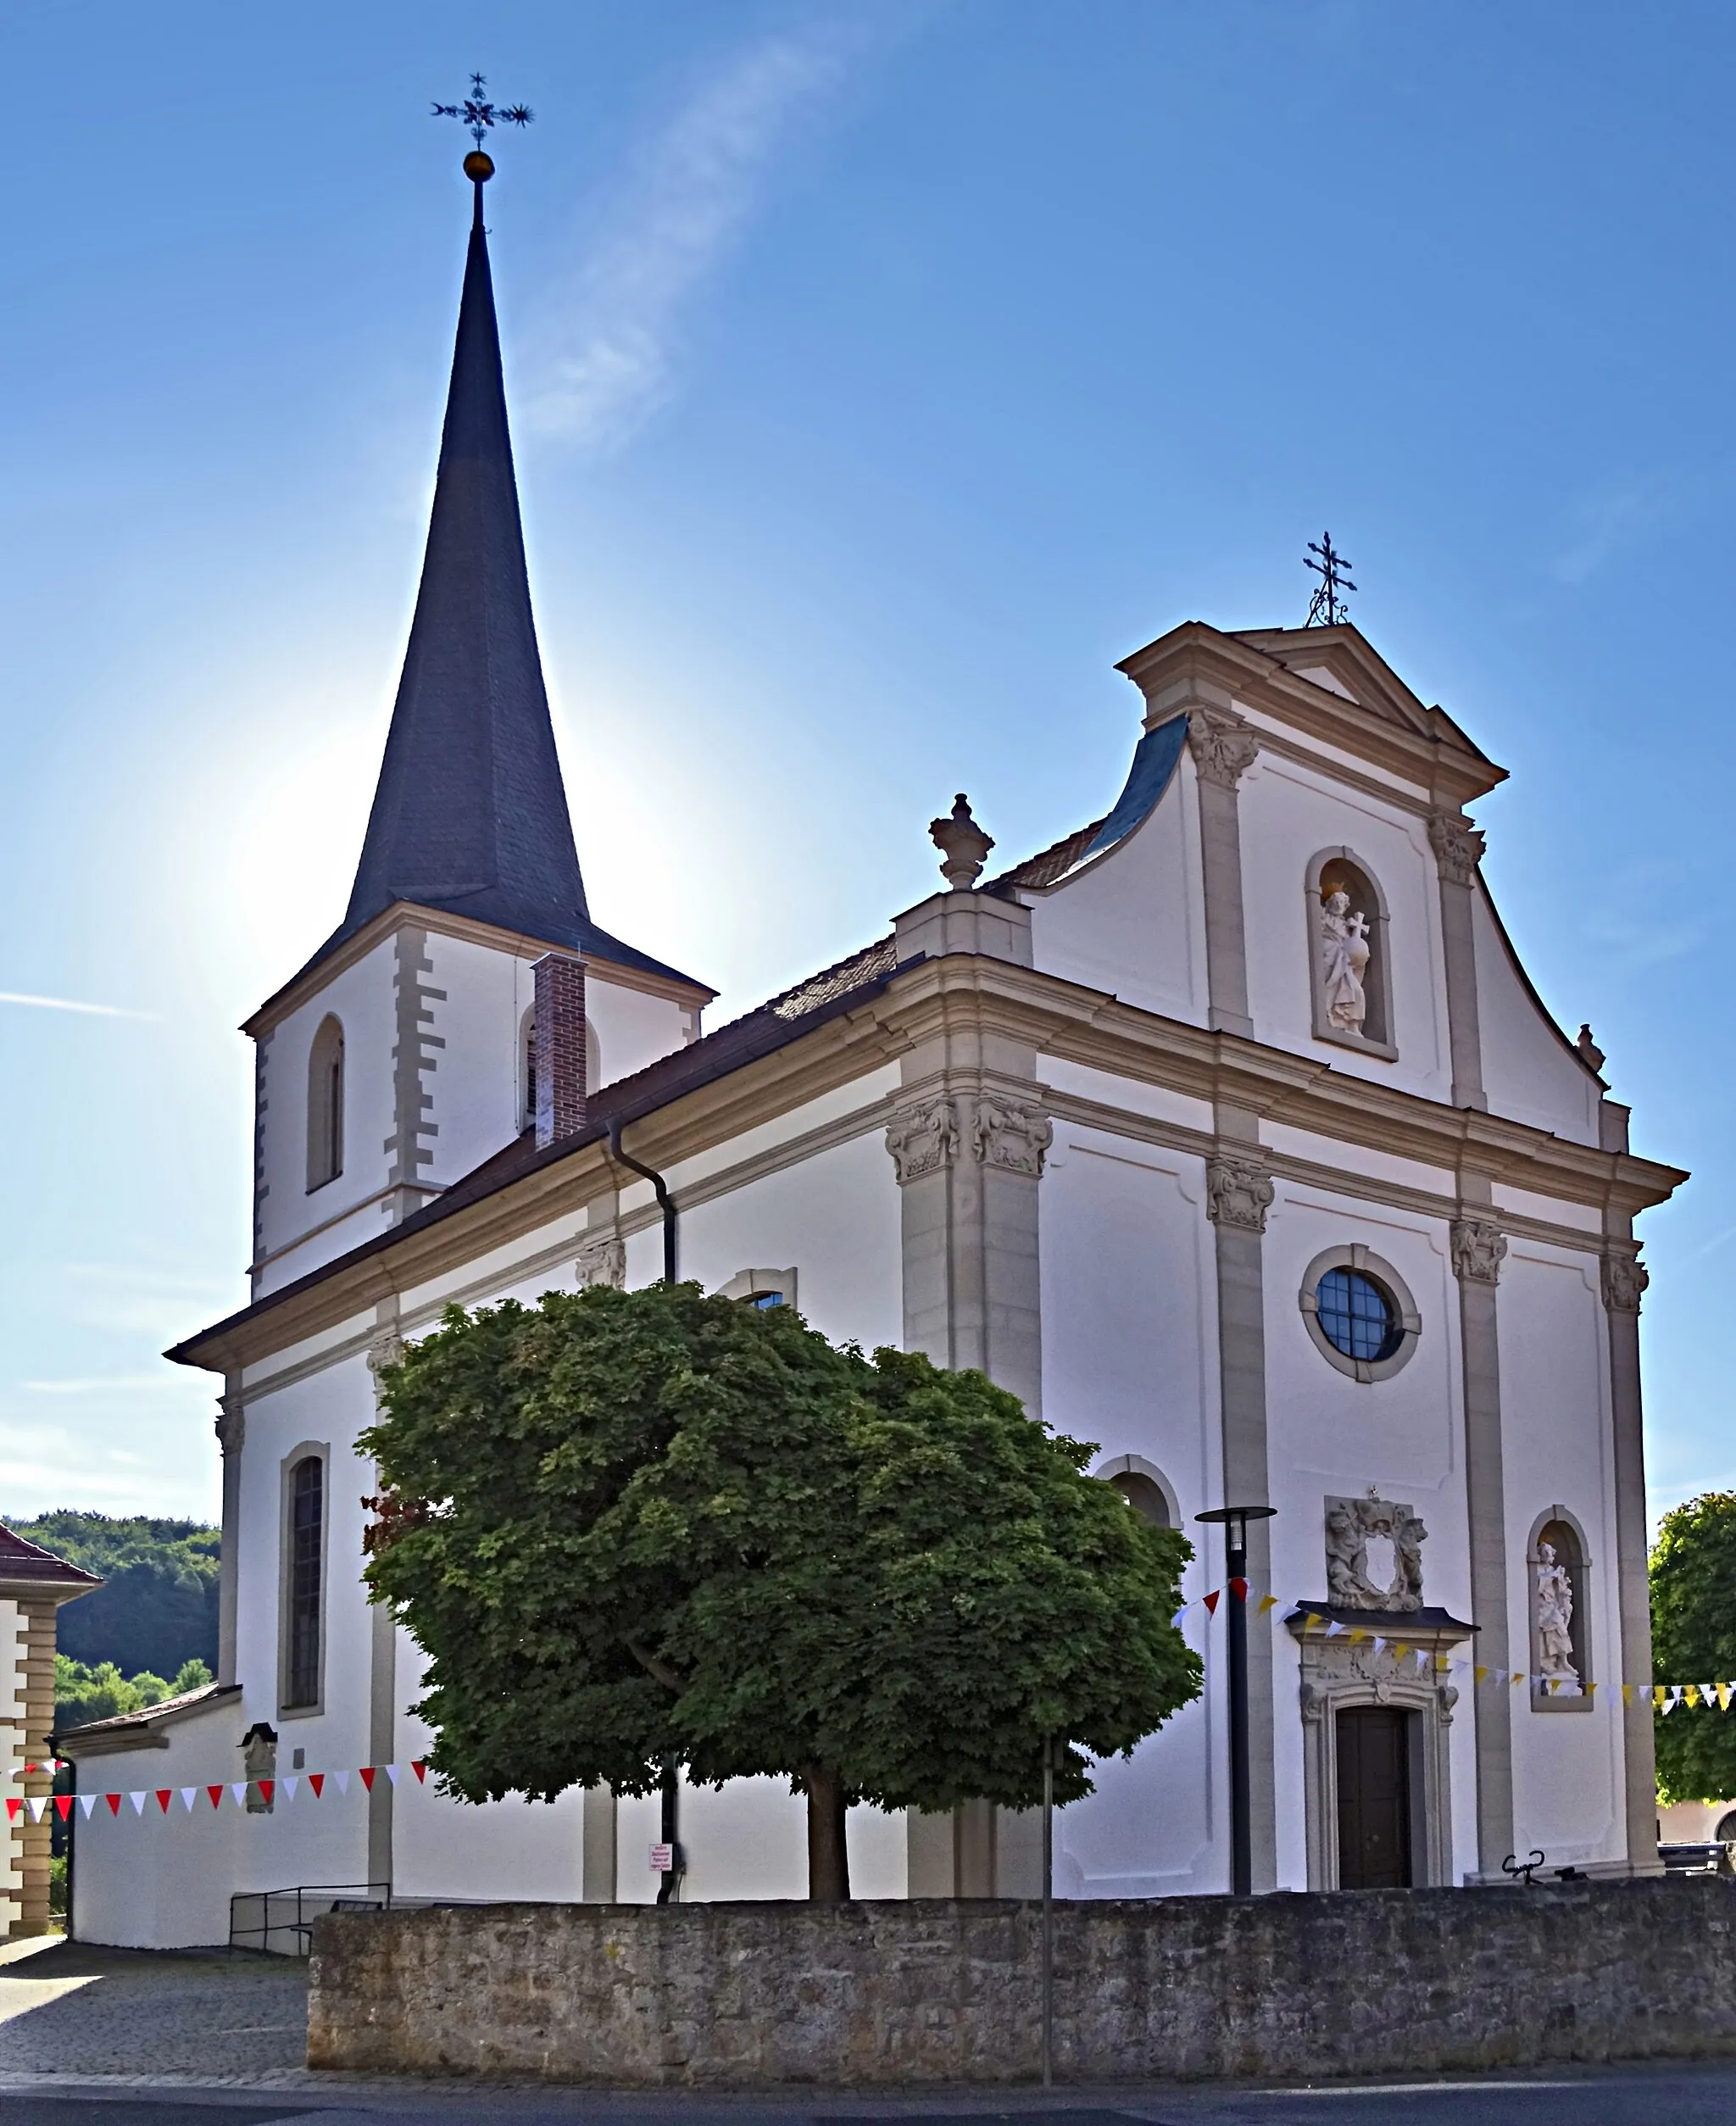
1373,1982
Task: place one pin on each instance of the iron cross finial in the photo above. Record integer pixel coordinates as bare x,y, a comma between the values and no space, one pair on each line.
480,115
1327,608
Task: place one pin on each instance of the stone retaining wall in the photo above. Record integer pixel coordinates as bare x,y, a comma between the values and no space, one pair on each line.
1376,1982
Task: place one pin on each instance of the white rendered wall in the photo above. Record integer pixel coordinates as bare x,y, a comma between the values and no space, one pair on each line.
1129,1298
1527,1071
344,1211
1131,922
1567,1766
632,1027
1288,814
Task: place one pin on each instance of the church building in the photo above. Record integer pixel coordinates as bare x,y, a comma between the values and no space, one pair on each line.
1227,1131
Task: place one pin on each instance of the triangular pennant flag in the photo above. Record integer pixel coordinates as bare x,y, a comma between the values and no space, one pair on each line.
1588,1689
63,1806
1627,1693
1658,1695
1517,1675
1481,1674
1422,1656
114,1801
1692,1694
342,1779
1401,1650
1294,1609
1335,1630
1380,1644
267,1788
1212,1600
189,1795
391,1773
420,1770
1357,1634
317,1781
1239,1588
1176,1621
288,1784
87,1802
367,1777
238,1788
1310,1620
164,1794
36,1804
214,1796
1723,1697
13,1806
1266,1602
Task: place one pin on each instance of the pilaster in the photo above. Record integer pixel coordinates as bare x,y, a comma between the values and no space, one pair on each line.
1624,1281
1224,746
387,1349
1457,849
1479,1248
232,1430
1239,1195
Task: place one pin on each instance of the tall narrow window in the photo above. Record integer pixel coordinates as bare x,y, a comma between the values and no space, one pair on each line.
325,1105
303,1588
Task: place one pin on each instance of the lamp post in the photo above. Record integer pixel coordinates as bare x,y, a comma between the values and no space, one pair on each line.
1235,1520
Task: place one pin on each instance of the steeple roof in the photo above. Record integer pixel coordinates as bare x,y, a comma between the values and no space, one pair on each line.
470,813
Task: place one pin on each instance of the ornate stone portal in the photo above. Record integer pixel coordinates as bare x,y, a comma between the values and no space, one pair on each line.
1351,1524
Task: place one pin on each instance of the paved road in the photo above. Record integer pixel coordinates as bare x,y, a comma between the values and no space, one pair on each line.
103,2038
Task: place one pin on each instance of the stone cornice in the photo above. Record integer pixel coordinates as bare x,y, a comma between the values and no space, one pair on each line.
1424,747
275,1009
960,995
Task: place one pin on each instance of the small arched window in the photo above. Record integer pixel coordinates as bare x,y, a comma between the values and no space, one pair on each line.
325,1105
1145,1487
1348,970
527,1066
303,1582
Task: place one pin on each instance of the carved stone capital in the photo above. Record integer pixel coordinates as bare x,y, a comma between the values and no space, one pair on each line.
1238,1193
387,1349
1010,1134
1624,1279
231,1425
602,1260
1479,1249
1223,745
923,1139
1458,846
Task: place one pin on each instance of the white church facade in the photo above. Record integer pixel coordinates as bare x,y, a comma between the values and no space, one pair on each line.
1229,1133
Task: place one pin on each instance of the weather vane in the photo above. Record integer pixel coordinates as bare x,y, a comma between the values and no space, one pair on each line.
1327,607
480,116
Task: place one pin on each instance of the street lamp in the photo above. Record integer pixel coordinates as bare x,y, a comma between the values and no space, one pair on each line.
1235,1520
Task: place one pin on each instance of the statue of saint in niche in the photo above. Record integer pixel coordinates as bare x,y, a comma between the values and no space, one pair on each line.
1344,951
1554,1622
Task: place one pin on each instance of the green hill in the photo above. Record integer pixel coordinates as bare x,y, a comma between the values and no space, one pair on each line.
157,1609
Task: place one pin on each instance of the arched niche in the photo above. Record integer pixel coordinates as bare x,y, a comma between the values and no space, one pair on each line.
1560,1530
325,1105
527,1066
1145,1487
1340,871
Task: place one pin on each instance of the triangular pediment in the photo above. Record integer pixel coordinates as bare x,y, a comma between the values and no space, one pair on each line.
1343,661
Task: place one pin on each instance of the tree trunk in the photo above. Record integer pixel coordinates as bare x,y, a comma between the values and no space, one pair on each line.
828,1862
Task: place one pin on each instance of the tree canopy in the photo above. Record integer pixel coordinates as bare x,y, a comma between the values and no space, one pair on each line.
157,1607
1693,1640
83,1693
633,1528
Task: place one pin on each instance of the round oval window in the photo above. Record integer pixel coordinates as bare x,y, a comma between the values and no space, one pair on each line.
1358,1316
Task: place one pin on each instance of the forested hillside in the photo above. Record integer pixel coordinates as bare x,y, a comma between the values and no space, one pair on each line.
157,1609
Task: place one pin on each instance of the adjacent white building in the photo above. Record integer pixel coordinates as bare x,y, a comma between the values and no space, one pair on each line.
1228,1131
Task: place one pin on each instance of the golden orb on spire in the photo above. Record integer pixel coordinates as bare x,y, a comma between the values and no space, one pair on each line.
478,167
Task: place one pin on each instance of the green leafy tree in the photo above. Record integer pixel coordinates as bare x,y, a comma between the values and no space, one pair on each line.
83,1693
632,1528
157,1605
1693,1640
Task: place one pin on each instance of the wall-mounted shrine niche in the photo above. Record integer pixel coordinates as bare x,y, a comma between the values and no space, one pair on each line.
1350,962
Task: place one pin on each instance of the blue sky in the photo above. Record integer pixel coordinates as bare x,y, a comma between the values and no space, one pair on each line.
882,370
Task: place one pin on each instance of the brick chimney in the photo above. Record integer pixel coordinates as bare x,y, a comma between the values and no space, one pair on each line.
560,1046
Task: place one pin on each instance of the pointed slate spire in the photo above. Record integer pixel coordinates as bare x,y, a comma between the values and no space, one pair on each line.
470,813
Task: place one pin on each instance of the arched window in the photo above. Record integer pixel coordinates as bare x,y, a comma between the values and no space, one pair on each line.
1348,969
1146,1488
527,1066
761,1287
325,1105
1558,1584
303,1582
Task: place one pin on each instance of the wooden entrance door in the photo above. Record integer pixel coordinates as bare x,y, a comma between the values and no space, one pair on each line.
1374,1798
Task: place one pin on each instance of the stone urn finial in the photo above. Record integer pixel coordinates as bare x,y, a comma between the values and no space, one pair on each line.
962,845
1589,1053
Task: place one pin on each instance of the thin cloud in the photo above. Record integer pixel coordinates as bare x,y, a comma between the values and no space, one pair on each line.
603,363
1604,522
70,1003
